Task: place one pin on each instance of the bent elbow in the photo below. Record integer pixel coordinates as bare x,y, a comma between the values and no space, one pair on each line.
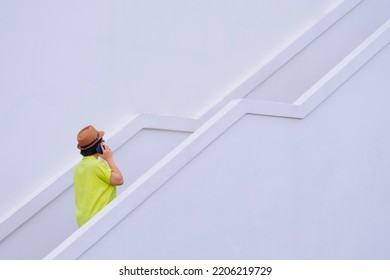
120,181
116,181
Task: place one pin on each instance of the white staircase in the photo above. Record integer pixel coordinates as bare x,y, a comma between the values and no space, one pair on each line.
186,198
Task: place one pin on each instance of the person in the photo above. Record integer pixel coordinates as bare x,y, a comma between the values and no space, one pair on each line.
94,182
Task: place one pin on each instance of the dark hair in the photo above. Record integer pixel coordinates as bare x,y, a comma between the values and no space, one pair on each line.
91,151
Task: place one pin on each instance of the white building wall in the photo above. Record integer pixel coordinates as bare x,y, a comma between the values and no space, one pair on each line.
65,64
277,188
323,54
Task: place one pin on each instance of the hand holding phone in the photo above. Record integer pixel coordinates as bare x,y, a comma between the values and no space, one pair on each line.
106,152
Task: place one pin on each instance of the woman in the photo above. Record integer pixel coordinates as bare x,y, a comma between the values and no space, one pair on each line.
94,182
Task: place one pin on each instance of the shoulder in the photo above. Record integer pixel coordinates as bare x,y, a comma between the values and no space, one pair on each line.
101,164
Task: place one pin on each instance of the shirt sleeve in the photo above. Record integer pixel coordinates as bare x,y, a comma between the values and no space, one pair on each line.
103,172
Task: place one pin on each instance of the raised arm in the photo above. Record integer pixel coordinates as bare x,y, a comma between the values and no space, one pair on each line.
116,178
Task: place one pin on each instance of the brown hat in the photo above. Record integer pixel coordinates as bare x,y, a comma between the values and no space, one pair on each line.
88,137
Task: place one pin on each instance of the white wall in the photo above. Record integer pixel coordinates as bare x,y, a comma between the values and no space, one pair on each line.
277,188
317,59
65,64
144,150
55,222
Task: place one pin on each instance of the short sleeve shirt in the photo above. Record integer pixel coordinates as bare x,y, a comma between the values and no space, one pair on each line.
92,187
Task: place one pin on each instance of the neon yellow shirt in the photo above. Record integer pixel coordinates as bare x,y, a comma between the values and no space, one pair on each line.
92,187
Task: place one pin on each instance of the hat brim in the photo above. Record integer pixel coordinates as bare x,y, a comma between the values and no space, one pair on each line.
101,134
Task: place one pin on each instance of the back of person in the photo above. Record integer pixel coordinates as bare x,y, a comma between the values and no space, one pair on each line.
93,190
94,181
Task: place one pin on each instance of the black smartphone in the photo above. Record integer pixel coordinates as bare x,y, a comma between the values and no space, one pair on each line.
99,149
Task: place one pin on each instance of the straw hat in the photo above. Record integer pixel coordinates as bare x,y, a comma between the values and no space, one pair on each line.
88,137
